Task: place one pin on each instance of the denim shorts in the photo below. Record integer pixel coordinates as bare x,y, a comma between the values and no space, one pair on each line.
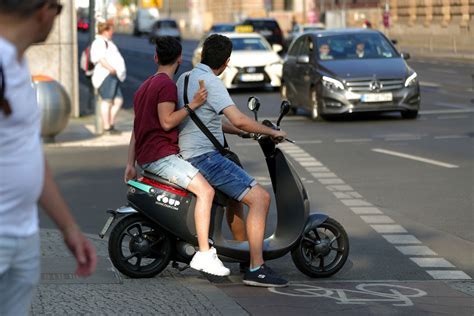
224,174
110,88
19,273
174,169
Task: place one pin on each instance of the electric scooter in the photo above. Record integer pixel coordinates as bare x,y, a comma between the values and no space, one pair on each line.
157,226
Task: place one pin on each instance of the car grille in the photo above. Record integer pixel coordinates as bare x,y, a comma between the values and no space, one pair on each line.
374,85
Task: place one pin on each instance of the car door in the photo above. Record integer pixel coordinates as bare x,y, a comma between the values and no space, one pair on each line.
290,73
303,71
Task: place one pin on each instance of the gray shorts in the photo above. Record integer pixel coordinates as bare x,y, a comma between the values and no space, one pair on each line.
174,169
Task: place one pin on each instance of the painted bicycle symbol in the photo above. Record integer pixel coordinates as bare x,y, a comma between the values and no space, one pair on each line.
363,293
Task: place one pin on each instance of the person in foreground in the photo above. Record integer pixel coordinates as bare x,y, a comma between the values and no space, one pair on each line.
222,173
154,145
25,177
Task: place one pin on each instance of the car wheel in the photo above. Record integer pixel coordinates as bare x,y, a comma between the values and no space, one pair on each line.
410,114
315,107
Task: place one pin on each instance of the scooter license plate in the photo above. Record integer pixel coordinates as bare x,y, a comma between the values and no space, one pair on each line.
106,226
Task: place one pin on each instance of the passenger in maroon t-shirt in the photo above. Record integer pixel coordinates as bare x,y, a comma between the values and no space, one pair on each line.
154,145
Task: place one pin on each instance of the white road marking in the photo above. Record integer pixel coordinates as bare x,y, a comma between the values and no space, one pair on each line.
318,175
417,158
384,229
448,275
416,250
446,111
451,136
452,117
401,239
353,140
366,210
432,262
331,181
333,188
429,84
377,219
348,195
300,159
311,164
452,105
397,139
356,202
317,169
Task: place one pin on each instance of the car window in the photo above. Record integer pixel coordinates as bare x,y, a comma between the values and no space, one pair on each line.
355,46
168,25
263,25
222,28
242,43
295,48
306,46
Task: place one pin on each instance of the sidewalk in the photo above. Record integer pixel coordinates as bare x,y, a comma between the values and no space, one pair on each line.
108,292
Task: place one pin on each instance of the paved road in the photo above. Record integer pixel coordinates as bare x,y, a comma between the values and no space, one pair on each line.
403,189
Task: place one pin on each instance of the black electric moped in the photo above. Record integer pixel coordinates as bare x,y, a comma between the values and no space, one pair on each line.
157,225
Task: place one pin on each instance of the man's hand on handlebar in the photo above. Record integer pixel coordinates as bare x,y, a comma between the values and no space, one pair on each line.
278,136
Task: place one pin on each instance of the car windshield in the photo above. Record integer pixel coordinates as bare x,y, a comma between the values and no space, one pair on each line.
168,25
354,46
242,43
222,28
311,28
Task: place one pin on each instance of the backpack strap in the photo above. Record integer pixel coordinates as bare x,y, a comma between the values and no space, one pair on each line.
198,121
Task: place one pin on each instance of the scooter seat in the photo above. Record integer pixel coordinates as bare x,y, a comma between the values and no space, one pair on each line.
161,180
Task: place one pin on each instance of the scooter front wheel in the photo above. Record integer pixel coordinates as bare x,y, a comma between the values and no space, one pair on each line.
138,248
322,251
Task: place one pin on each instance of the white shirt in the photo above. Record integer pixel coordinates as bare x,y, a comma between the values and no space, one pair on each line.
21,153
110,52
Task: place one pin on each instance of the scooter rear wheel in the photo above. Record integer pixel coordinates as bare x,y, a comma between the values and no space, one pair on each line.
321,252
138,248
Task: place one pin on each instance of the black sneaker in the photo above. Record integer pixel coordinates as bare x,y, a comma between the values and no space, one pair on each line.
264,277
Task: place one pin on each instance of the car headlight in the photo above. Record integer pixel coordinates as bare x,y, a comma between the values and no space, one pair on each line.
332,83
411,80
276,68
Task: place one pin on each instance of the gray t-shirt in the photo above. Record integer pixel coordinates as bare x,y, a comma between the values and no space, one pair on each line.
192,141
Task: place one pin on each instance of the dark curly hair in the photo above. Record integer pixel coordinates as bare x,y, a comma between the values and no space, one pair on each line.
167,49
216,50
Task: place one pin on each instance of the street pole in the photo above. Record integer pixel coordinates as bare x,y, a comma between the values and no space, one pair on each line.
92,91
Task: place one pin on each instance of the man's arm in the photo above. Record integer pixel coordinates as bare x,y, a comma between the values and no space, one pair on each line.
54,205
169,118
130,171
245,123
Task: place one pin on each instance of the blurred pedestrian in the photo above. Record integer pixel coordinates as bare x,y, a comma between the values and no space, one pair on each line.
109,72
25,178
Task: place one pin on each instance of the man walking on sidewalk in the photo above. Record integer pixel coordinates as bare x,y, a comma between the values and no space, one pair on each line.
25,178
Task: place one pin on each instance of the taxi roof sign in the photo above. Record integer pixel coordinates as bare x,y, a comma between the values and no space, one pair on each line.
244,28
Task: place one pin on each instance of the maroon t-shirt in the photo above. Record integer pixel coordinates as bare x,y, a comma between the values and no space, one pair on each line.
151,141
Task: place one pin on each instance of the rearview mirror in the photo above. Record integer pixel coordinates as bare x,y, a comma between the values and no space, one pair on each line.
277,48
303,59
284,109
253,104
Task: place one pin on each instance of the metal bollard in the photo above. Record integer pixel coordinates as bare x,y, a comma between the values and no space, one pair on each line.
55,106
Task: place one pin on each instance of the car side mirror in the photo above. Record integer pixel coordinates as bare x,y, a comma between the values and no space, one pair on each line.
405,55
303,59
277,48
394,41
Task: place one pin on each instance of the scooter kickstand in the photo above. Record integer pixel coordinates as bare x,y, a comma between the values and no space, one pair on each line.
177,267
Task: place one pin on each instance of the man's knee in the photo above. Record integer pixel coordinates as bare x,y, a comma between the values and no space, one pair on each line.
257,196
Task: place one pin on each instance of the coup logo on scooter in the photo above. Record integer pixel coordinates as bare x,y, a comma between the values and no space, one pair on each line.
168,201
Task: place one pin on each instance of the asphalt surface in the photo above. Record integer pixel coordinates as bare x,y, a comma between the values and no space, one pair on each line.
403,190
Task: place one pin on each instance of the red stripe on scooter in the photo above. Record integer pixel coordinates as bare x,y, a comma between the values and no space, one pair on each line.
164,187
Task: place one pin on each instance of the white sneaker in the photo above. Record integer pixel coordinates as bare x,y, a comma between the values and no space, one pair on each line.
208,262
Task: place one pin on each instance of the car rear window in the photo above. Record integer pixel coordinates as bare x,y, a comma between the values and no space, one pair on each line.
264,25
168,24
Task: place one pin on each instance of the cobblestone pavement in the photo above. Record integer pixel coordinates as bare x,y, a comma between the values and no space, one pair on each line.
110,293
